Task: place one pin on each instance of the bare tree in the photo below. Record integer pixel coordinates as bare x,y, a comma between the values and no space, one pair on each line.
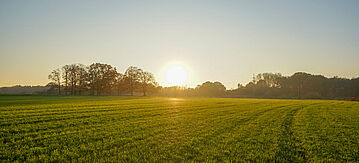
214,89
132,75
81,77
119,83
72,77
102,78
93,73
109,78
146,79
56,77
65,76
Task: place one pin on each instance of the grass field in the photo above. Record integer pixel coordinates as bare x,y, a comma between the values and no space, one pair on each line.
52,128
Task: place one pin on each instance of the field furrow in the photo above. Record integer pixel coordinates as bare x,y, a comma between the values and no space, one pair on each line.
51,128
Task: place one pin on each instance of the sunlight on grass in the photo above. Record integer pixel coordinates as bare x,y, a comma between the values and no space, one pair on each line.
87,129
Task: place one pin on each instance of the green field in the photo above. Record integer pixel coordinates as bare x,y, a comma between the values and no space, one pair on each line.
53,128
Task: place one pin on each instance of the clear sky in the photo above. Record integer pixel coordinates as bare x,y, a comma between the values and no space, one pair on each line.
225,41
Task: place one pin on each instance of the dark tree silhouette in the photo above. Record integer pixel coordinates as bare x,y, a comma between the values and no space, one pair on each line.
299,85
120,83
55,76
132,76
103,79
215,89
146,79
65,75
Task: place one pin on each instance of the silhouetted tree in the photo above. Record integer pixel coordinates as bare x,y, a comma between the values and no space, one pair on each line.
120,83
132,76
93,76
66,72
109,80
81,77
55,76
146,79
215,89
102,78
73,77
299,85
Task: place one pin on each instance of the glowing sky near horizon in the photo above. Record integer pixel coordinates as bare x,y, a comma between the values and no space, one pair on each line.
226,41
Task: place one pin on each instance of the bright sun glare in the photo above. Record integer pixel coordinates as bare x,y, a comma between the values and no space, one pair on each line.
176,76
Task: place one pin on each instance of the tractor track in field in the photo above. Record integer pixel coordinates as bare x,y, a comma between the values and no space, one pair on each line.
289,150
174,130
236,124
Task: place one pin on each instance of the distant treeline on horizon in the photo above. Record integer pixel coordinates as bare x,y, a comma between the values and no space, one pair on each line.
104,79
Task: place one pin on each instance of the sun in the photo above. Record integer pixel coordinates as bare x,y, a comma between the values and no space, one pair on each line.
176,76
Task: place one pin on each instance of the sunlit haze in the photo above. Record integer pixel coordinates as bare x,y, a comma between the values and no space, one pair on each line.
176,76
176,73
226,41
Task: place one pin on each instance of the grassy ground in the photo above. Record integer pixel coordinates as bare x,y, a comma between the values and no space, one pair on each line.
53,128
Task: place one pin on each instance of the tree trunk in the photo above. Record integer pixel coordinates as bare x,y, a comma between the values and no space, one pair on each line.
59,87
66,83
79,88
72,87
144,90
131,87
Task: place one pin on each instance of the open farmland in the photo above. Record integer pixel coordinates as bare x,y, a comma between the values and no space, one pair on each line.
59,128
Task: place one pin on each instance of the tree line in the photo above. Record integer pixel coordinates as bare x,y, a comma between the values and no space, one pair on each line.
100,79
104,79
300,85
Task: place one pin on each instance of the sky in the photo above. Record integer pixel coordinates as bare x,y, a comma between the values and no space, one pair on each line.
214,40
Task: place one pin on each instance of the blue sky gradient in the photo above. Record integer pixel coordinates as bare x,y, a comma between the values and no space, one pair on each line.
225,41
